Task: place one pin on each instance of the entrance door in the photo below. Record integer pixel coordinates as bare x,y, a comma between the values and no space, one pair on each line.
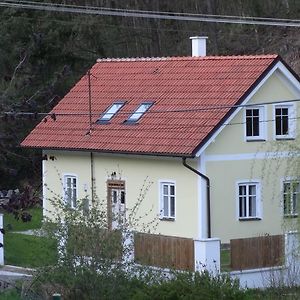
116,203
117,207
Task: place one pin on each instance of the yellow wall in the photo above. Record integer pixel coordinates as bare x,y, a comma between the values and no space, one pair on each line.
232,138
230,158
224,208
136,171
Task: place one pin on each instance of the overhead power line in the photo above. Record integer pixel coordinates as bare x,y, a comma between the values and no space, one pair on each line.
54,114
104,11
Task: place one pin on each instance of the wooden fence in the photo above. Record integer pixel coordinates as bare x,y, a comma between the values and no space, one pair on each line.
105,243
164,251
258,252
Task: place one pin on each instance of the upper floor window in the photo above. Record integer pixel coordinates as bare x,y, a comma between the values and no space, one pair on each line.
110,112
284,121
290,197
167,200
248,201
70,190
255,126
139,112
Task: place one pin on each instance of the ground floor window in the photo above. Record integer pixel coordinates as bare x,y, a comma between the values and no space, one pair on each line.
70,190
167,200
290,197
248,200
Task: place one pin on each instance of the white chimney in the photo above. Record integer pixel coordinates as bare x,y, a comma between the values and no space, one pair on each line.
198,45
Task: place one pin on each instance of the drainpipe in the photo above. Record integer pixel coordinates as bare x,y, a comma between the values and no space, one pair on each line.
92,177
207,193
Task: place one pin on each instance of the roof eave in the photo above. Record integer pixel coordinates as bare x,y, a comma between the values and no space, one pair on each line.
177,155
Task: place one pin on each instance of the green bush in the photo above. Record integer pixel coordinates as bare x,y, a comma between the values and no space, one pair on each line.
83,283
193,286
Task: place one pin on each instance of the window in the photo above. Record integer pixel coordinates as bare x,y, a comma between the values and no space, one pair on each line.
139,112
110,112
70,190
248,200
255,123
290,197
284,121
167,200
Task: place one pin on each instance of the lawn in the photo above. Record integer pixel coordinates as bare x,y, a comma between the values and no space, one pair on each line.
12,224
225,260
10,295
27,250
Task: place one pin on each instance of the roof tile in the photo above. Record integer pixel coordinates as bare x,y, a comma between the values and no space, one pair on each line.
175,125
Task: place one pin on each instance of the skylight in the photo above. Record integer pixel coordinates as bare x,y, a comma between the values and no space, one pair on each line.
110,112
139,112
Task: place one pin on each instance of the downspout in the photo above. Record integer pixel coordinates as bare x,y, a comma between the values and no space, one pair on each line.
92,177
207,193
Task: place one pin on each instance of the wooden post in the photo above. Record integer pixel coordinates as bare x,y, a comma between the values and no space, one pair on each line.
1,241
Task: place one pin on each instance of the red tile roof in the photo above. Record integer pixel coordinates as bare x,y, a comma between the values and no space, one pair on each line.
177,124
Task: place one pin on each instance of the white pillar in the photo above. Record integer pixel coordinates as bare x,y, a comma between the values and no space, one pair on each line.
128,247
1,241
292,258
207,255
62,236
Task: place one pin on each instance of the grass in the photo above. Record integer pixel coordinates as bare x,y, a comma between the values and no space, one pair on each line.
12,224
11,294
29,251
225,260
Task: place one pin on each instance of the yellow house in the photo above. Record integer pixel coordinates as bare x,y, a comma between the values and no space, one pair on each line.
207,140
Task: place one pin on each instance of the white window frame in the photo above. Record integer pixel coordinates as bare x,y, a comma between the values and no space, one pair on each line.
291,213
65,196
139,112
261,123
162,214
111,111
247,183
291,121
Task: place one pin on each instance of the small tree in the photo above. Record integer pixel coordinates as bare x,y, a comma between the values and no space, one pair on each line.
93,259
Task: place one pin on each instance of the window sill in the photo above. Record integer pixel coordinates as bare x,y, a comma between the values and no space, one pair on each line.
258,139
250,219
167,219
291,216
280,138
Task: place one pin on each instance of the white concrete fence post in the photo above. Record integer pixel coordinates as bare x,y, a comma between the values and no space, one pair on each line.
292,258
128,247
1,241
62,243
207,255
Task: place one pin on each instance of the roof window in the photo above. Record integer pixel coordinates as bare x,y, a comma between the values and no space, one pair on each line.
110,112
139,112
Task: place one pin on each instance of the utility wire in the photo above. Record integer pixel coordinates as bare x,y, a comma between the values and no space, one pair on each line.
104,11
157,128
197,109
127,27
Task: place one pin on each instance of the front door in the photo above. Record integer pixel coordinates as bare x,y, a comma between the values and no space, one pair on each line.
116,203
118,208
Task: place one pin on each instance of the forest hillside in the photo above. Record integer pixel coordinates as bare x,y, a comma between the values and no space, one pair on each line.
42,54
